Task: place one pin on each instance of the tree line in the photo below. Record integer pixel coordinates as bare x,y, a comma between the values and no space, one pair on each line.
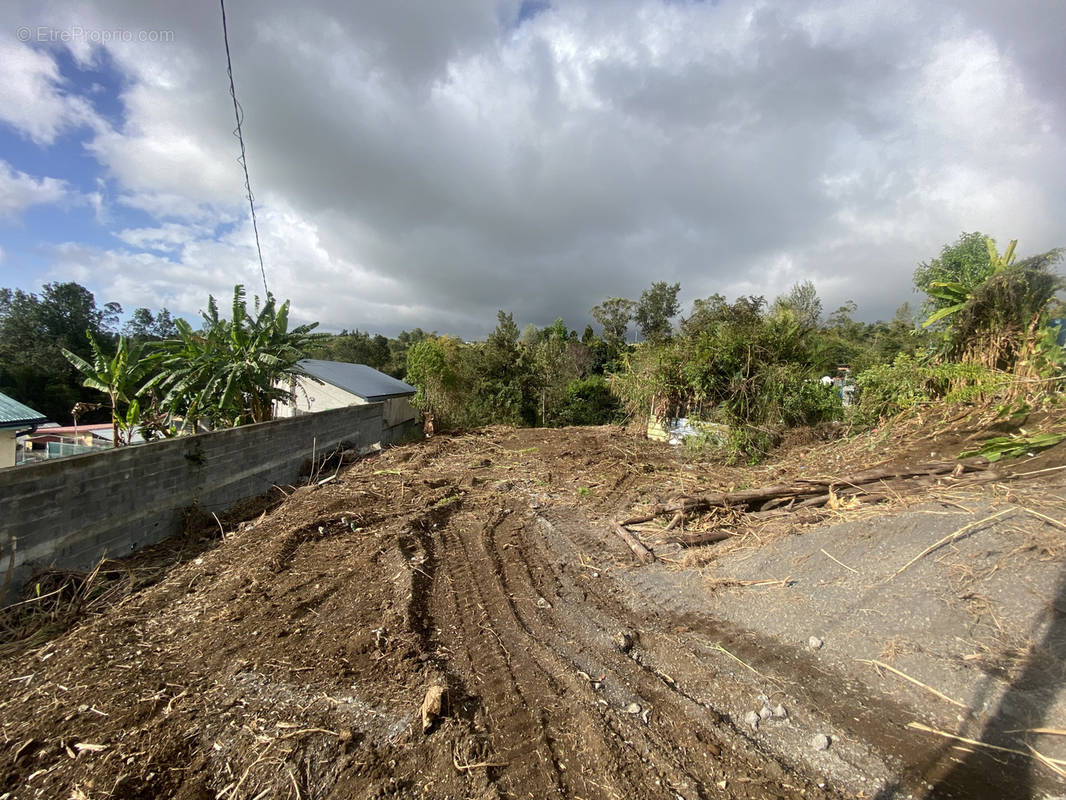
747,366
72,361
35,329
750,367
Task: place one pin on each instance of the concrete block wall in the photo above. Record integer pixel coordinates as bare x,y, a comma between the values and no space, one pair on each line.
70,512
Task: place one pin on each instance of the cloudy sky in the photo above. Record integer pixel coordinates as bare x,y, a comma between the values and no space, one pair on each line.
423,163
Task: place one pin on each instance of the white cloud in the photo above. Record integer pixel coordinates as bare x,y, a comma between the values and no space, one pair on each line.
32,96
19,191
180,265
169,236
169,206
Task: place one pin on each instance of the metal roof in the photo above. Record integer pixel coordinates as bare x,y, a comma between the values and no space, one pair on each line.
359,379
14,414
63,430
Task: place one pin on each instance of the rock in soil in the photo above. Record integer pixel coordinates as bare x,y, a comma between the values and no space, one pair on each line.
432,707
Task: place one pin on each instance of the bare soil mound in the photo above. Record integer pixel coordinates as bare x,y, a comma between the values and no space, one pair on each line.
293,659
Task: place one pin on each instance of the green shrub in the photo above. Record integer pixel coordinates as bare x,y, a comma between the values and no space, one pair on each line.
589,401
734,365
909,381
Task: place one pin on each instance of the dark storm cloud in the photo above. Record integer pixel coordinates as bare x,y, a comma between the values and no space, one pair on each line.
425,163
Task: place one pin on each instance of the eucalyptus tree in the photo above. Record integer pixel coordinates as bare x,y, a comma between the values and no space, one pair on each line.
658,305
803,302
614,315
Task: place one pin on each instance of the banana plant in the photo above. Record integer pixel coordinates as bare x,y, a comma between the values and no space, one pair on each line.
231,372
118,377
957,295
951,292
1000,262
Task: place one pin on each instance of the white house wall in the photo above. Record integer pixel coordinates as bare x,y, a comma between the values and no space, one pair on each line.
7,448
311,397
399,410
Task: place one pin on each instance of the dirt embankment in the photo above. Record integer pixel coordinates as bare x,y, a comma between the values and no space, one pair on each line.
292,659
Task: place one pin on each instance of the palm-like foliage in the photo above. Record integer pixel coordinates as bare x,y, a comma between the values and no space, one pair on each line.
231,372
955,295
117,376
999,323
1002,323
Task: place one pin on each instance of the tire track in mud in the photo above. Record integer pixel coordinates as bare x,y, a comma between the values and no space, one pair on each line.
518,630
513,692
480,581
681,734
448,612
587,714
634,748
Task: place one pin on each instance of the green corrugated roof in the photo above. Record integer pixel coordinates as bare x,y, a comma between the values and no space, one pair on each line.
15,415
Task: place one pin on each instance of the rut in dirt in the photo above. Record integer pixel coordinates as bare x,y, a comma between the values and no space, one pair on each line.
556,667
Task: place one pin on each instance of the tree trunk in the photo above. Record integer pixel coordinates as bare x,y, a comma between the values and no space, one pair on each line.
114,419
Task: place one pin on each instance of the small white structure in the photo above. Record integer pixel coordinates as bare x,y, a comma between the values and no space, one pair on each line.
15,419
340,384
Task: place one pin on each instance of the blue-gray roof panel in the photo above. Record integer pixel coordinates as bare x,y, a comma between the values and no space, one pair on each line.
14,414
359,379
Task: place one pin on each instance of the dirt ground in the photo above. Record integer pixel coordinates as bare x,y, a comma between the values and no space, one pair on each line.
291,658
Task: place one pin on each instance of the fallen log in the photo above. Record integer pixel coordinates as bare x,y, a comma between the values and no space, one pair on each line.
806,488
894,473
696,539
639,550
822,499
797,498
679,518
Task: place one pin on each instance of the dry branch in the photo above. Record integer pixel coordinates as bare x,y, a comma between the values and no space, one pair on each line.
841,563
703,537
479,765
951,537
881,665
639,550
796,497
918,726
812,491
1045,518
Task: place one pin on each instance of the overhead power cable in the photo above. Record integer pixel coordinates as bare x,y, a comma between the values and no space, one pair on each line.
238,113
